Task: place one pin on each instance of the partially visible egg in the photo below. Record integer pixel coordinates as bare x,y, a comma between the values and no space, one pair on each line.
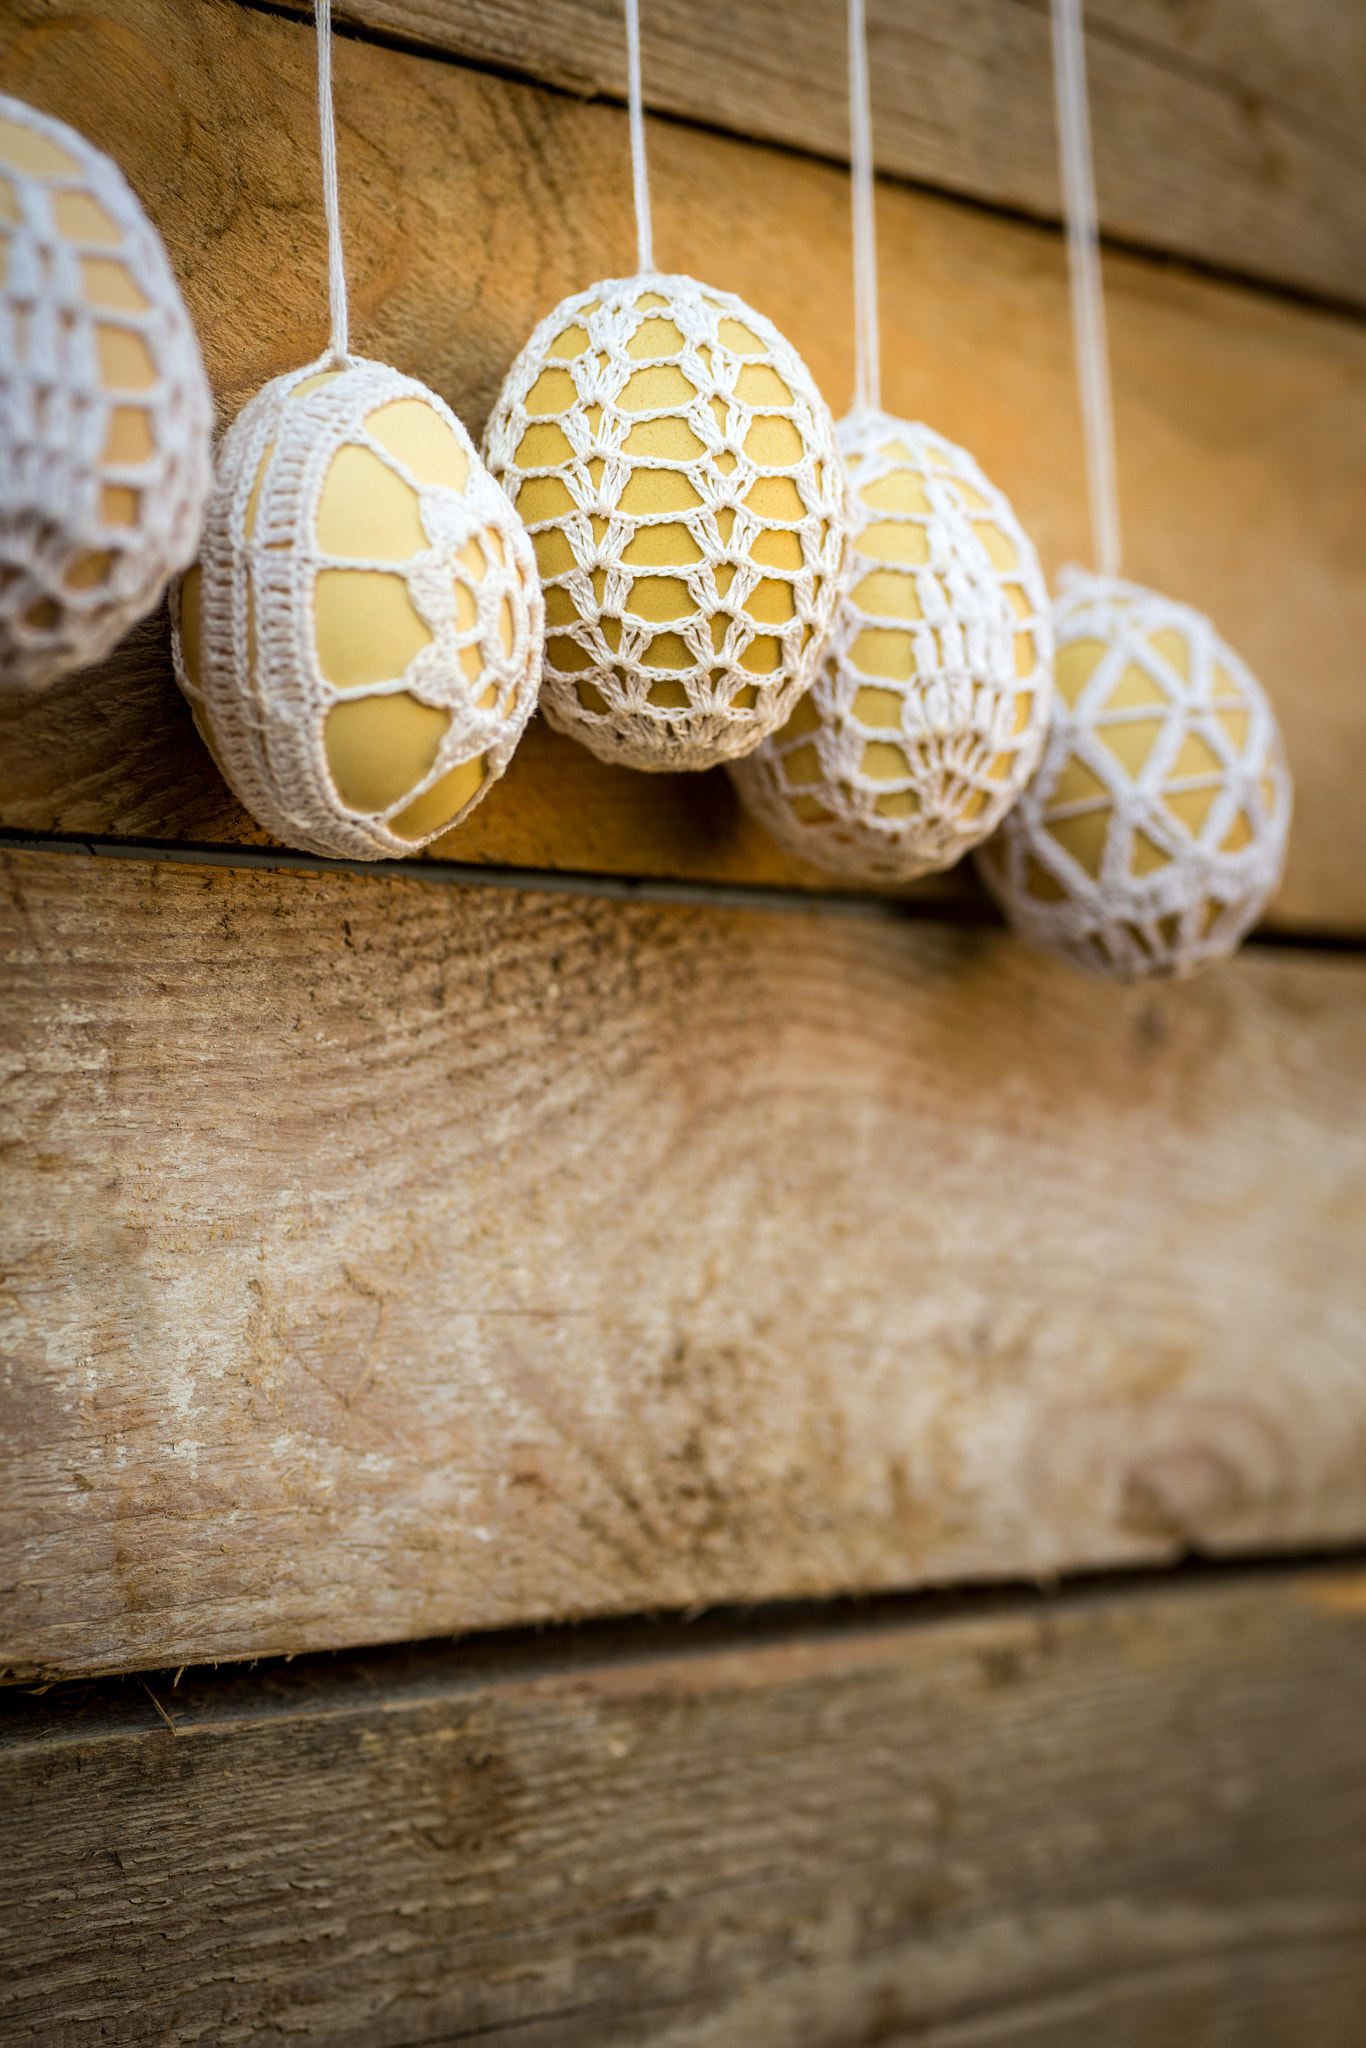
361,636
928,710
677,470
105,413
1154,833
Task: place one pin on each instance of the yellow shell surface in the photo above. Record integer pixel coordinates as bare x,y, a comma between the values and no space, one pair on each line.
677,470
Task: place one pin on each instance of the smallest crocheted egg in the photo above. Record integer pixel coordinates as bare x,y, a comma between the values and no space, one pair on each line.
928,710
676,467
105,414
361,636
1154,832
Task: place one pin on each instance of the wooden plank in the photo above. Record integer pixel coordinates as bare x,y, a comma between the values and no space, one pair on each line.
473,203
1123,1820
1230,133
385,1260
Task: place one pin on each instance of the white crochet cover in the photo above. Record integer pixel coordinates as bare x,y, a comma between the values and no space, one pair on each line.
1155,830
677,469
105,414
361,637
928,712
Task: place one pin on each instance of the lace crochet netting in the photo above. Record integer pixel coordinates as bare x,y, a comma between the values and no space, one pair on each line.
1155,830
105,414
677,470
929,707
360,638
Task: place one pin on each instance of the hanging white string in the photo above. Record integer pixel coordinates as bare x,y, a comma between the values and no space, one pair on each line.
867,365
1088,299
645,251
327,128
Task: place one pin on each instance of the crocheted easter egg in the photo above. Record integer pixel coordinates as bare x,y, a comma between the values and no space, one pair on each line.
677,470
361,635
1155,830
105,414
929,706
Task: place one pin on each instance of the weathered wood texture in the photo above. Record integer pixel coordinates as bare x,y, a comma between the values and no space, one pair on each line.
384,1260
1228,132
1125,1820
473,203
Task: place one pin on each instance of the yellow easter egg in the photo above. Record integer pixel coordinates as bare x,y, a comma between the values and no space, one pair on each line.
676,468
1154,833
361,636
927,714
105,414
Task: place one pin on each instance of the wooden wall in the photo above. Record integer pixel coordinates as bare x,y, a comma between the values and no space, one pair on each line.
1131,1818
394,1258
391,1255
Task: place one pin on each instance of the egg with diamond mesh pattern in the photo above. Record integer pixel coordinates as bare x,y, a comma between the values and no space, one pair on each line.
105,413
1154,833
928,710
677,470
361,637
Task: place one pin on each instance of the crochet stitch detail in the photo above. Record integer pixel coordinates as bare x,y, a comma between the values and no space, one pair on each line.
466,606
928,711
1154,833
679,635
105,413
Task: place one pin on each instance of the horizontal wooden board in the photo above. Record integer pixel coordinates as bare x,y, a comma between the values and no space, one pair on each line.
1125,1820
1230,132
473,203
384,1260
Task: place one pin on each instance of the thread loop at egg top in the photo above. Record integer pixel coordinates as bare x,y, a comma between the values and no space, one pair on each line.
361,636
677,470
105,413
928,710
1154,833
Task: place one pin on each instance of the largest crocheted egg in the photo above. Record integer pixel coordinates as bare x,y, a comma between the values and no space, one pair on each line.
361,636
677,470
1154,832
105,414
928,710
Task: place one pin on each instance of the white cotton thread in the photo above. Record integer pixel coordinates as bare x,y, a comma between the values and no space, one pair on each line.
928,709
327,137
640,176
1154,833
1088,297
867,355
361,638
105,412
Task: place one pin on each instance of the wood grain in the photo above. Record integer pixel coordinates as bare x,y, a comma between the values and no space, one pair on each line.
1122,1820
1229,132
384,1260
473,203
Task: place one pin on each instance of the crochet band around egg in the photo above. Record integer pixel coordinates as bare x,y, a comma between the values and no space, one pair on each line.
928,710
105,414
678,473
1154,832
361,636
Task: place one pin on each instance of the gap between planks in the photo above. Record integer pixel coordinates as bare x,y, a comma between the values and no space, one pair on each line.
968,910
822,1631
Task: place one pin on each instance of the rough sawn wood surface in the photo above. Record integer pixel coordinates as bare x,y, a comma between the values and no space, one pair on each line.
384,1259
1134,1819
1228,131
